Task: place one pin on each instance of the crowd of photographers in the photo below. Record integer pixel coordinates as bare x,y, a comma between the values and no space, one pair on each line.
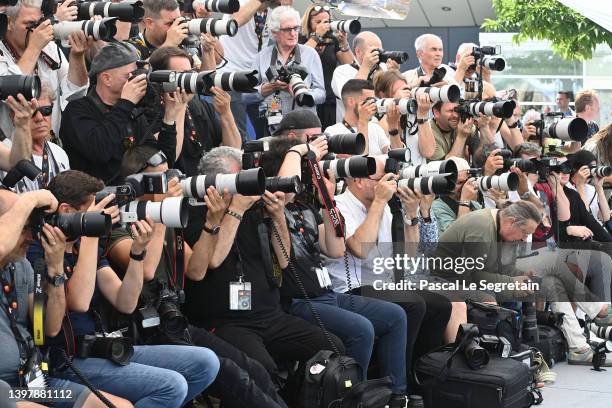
151,252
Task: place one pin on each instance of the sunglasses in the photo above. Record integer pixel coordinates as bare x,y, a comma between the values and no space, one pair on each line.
44,110
318,9
289,29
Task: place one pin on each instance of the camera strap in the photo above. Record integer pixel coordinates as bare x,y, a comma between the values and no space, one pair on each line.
40,270
349,127
397,231
420,71
271,266
179,260
295,57
45,176
332,211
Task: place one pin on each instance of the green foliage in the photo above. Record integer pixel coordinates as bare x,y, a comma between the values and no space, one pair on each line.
572,35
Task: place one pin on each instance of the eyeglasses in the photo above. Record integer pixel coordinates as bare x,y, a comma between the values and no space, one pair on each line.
289,29
44,110
318,9
154,161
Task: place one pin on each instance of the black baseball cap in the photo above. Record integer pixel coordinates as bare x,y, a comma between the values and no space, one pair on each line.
298,119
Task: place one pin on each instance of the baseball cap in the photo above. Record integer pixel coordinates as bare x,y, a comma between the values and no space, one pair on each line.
111,56
298,119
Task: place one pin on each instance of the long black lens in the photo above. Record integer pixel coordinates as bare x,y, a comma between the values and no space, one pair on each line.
161,76
250,182
525,165
284,184
12,85
239,81
350,143
88,224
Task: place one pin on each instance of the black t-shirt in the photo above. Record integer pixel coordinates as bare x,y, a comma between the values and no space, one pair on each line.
207,301
579,215
303,223
329,61
207,135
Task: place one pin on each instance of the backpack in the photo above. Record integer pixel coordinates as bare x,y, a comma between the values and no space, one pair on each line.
495,320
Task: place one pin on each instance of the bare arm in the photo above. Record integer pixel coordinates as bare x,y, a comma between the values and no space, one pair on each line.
366,235
246,12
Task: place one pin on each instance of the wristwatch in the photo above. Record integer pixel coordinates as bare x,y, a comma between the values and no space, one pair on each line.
212,231
514,125
422,121
465,204
138,257
57,280
411,221
393,132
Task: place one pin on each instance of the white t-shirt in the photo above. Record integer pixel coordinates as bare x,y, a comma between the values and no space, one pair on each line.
341,76
355,213
241,49
377,138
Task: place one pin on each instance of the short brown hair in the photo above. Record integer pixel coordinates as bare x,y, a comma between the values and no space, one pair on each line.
383,82
74,187
160,58
583,99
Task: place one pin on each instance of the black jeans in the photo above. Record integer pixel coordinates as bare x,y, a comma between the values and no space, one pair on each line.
241,382
278,336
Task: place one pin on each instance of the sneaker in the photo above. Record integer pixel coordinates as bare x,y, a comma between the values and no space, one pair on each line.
416,401
398,401
604,321
584,357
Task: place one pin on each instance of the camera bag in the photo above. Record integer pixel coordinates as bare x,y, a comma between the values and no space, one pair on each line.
552,344
495,320
446,381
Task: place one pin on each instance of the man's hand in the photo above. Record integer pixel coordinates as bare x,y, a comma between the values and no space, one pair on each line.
466,60
386,187
342,39
41,36
493,163
370,58
271,87
175,189
523,186
581,176
330,185
366,110
79,43
208,42
142,233
498,196
215,205
275,205
175,102
54,243
483,121
424,105
410,201
22,110
579,231
319,147
221,101
112,211
42,198
134,89
393,117
464,129
469,191
175,35
66,11
529,131
240,203
392,64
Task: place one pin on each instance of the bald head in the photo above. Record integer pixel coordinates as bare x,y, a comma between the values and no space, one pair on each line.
364,41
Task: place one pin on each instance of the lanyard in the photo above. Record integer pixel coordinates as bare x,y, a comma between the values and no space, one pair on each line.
349,127
45,176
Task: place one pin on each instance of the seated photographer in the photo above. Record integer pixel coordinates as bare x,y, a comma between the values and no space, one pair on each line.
355,319
28,49
17,301
257,324
241,381
430,53
276,95
359,109
599,145
97,129
50,158
152,376
333,49
364,206
589,186
198,129
391,84
588,108
366,46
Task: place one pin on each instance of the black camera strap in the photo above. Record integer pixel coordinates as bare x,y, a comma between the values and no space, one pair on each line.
348,126
397,231
40,270
271,265
332,211
295,57
420,71
179,260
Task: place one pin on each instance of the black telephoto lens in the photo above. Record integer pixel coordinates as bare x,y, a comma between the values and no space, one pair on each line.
250,182
88,224
12,85
350,143
284,184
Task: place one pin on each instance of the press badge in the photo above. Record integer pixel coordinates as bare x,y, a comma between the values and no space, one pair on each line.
240,295
323,277
274,113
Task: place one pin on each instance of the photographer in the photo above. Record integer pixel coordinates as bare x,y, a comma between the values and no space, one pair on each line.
391,84
365,45
156,376
359,109
465,65
601,146
275,95
450,133
17,298
260,328
19,147
28,49
430,53
587,108
97,129
333,49
241,381
588,186
198,128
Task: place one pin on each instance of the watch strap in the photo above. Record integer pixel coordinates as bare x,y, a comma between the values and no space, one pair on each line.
138,257
212,231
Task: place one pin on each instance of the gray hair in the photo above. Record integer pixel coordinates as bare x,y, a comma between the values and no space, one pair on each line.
280,14
419,43
528,148
198,3
465,46
48,91
12,11
219,159
530,116
152,8
521,212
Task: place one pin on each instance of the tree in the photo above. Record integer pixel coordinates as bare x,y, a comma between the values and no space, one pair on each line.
572,35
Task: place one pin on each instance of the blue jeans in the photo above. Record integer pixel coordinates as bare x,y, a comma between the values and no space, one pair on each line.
357,328
157,376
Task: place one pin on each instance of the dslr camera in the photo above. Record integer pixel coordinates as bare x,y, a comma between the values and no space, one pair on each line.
566,129
117,349
400,57
73,225
131,11
492,108
293,75
484,56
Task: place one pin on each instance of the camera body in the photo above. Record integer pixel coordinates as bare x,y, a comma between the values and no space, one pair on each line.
475,355
123,193
546,165
293,75
73,225
117,349
400,57
349,143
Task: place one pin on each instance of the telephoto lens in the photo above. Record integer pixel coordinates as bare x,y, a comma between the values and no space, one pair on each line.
398,56
441,184
173,212
503,182
355,167
212,26
501,109
222,6
301,91
23,168
349,143
601,171
429,169
494,63
530,323
250,182
81,224
347,26
403,154
161,76
104,29
525,165
568,129
190,82
131,11
446,93
406,106
238,81
13,85
284,184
